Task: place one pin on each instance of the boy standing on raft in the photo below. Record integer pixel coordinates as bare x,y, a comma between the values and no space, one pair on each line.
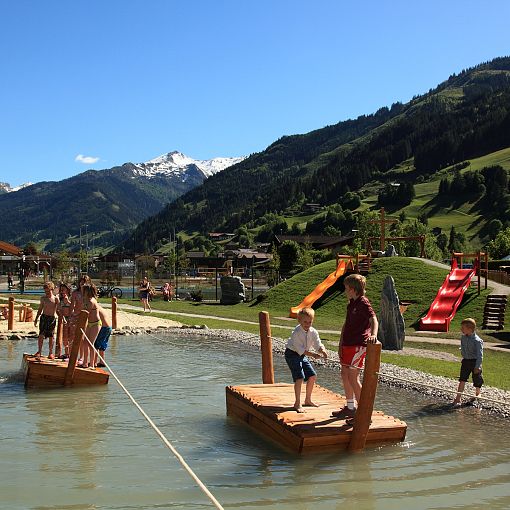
471,348
359,329
303,338
48,308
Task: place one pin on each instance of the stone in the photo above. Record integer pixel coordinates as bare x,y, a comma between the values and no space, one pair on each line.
232,290
390,251
391,322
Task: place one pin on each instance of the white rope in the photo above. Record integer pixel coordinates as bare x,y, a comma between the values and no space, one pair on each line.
479,397
177,455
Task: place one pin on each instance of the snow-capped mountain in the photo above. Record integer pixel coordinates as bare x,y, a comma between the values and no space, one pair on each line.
5,187
179,165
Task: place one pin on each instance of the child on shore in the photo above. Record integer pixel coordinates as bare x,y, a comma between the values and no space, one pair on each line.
359,329
298,348
101,342
47,310
471,348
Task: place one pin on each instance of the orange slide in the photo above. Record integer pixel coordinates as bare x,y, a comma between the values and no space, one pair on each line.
320,289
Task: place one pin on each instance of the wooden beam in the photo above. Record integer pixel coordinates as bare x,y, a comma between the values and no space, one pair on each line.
83,320
10,319
114,312
266,347
363,415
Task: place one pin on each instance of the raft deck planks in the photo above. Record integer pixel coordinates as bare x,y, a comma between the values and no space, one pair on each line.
267,408
48,372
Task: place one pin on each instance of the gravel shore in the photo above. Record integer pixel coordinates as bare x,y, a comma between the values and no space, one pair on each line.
415,381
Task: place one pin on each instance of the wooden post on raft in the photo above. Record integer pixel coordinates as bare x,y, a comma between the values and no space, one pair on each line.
114,312
366,402
83,320
60,325
266,347
21,314
10,320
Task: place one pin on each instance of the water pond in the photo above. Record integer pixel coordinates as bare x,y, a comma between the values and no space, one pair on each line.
89,448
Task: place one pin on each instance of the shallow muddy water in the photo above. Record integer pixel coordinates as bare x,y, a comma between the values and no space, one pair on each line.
89,448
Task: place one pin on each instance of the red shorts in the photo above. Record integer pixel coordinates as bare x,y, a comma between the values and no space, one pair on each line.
353,355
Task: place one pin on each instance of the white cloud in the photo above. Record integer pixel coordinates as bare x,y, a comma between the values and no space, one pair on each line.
86,160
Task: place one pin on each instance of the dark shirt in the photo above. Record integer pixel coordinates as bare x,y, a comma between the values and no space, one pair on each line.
357,322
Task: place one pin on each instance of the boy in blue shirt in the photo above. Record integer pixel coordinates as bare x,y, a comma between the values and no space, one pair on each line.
471,347
303,339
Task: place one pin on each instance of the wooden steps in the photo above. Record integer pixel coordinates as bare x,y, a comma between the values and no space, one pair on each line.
494,311
267,408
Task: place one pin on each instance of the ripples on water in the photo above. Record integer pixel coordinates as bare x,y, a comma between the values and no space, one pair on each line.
89,448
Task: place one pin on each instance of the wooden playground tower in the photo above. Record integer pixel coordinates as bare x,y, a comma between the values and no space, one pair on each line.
382,221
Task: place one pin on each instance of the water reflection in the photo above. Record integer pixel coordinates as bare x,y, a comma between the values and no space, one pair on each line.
87,448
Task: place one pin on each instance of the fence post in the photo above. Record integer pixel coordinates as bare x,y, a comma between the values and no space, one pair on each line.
114,312
83,320
10,321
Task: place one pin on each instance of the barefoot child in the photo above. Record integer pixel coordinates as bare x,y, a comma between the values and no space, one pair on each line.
48,308
471,348
302,340
101,342
360,327
64,312
94,325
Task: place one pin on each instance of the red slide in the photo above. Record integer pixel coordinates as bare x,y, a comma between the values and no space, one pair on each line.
448,299
320,289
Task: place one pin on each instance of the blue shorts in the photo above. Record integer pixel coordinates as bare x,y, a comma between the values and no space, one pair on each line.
300,366
102,338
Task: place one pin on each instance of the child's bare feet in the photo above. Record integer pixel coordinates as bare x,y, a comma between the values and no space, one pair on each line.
37,356
311,404
51,356
299,409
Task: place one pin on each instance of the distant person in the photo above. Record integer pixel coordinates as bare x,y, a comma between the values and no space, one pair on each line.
144,289
471,348
101,341
5,312
64,312
167,292
47,311
359,329
10,281
303,340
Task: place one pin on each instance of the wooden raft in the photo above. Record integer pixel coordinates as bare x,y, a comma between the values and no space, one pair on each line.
52,372
267,408
46,372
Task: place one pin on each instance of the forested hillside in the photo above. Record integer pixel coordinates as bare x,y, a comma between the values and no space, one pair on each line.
465,117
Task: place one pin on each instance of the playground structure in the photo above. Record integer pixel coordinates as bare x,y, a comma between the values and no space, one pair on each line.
344,264
382,221
267,409
450,294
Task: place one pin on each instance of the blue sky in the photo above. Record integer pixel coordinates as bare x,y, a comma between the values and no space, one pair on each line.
96,83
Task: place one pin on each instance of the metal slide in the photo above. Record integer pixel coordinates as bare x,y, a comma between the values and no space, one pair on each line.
448,299
316,293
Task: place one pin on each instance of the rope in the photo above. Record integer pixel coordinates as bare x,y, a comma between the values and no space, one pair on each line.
177,455
501,402
410,381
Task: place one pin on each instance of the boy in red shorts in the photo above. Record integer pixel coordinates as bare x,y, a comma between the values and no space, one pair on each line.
360,328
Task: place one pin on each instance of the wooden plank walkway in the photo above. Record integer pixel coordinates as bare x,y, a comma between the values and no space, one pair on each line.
268,409
51,372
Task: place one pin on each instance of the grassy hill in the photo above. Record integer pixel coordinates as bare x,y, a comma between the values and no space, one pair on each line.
415,282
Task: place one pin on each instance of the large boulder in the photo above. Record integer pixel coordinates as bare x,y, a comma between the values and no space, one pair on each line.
391,323
232,290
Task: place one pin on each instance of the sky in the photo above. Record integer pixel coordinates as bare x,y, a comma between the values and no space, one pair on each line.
97,83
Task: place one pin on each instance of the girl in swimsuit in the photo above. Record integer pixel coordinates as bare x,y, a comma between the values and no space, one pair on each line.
64,312
77,307
144,294
94,325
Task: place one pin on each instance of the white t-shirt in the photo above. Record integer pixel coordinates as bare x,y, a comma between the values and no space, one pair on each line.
301,340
